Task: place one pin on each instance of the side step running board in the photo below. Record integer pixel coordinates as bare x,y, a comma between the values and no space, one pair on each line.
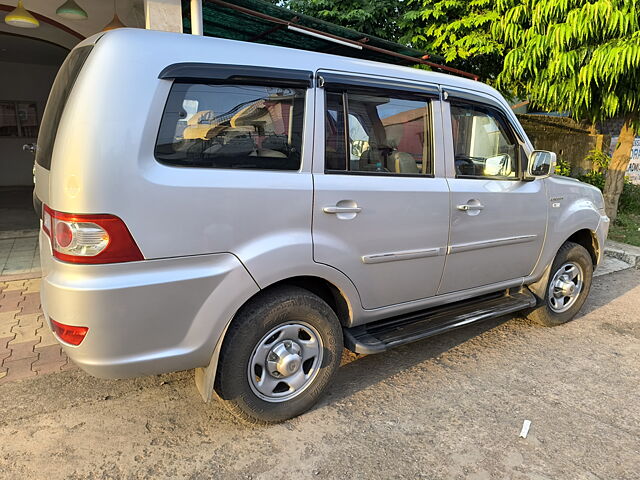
385,334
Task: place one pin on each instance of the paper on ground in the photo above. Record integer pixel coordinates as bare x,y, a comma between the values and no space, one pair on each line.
525,428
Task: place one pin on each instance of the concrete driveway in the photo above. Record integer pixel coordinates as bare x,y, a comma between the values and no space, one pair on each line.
450,407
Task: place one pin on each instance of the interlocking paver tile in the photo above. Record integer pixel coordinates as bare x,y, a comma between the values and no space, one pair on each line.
47,368
51,359
27,345
8,295
30,304
21,351
23,334
46,337
9,300
5,351
33,285
34,320
18,369
6,324
9,316
13,286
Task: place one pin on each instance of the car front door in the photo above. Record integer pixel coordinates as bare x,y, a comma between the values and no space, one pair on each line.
381,202
498,221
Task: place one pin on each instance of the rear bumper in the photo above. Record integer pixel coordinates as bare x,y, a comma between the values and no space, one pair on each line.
146,317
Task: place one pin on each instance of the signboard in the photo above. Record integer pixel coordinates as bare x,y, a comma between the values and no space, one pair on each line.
633,170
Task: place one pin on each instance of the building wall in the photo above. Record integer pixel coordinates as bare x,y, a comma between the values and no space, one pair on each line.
611,126
27,82
571,140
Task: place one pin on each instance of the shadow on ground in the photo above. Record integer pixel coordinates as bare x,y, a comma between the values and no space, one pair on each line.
359,372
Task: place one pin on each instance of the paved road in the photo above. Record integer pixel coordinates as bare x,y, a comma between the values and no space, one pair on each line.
446,408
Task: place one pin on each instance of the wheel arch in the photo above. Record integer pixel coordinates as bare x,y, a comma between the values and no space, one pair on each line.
323,288
585,237
589,240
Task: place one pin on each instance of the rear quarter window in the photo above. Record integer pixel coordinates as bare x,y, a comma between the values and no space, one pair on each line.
232,126
62,86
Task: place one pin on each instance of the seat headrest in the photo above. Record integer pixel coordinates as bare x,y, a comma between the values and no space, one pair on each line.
394,134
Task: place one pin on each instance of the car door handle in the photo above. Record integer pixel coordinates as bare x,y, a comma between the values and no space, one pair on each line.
342,209
467,207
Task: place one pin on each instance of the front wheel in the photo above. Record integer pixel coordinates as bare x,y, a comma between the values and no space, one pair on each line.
568,287
278,356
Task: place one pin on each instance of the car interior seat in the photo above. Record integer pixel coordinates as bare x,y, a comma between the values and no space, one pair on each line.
371,157
399,162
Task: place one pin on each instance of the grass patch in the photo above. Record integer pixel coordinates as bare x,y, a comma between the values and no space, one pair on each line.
626,229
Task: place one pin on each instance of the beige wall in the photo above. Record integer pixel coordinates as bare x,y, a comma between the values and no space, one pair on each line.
29,82
22,81
165,15
100,12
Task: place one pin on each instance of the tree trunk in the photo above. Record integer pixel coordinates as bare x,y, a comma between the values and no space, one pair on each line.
617,168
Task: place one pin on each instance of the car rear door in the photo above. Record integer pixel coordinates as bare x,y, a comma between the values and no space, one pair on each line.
381,204
498,221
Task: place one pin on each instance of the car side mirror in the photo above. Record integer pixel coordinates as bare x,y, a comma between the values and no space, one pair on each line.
541,164
499,165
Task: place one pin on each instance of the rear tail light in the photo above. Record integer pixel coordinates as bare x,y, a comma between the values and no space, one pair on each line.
68,333
89,238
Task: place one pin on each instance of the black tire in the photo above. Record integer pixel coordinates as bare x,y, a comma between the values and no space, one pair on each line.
262,314
569,253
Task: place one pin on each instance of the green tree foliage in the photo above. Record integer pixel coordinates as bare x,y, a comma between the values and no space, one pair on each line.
379,18
630,197
458,30
578,56
573,55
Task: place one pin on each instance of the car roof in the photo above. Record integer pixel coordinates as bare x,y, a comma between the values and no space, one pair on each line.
195,48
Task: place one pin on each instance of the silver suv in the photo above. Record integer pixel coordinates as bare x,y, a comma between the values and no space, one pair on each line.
248,210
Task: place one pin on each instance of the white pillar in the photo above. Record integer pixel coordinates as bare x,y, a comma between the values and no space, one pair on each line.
163,15
196,17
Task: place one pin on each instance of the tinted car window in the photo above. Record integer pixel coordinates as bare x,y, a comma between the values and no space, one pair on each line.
60,91
232,126
335,156
386,134
483,144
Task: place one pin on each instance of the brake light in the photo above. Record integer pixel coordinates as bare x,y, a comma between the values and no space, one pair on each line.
90,239
68,333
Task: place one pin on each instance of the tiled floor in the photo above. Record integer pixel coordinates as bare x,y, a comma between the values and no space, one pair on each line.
27,346
19,255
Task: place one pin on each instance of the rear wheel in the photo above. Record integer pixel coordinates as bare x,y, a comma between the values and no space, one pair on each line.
568,287
278,356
